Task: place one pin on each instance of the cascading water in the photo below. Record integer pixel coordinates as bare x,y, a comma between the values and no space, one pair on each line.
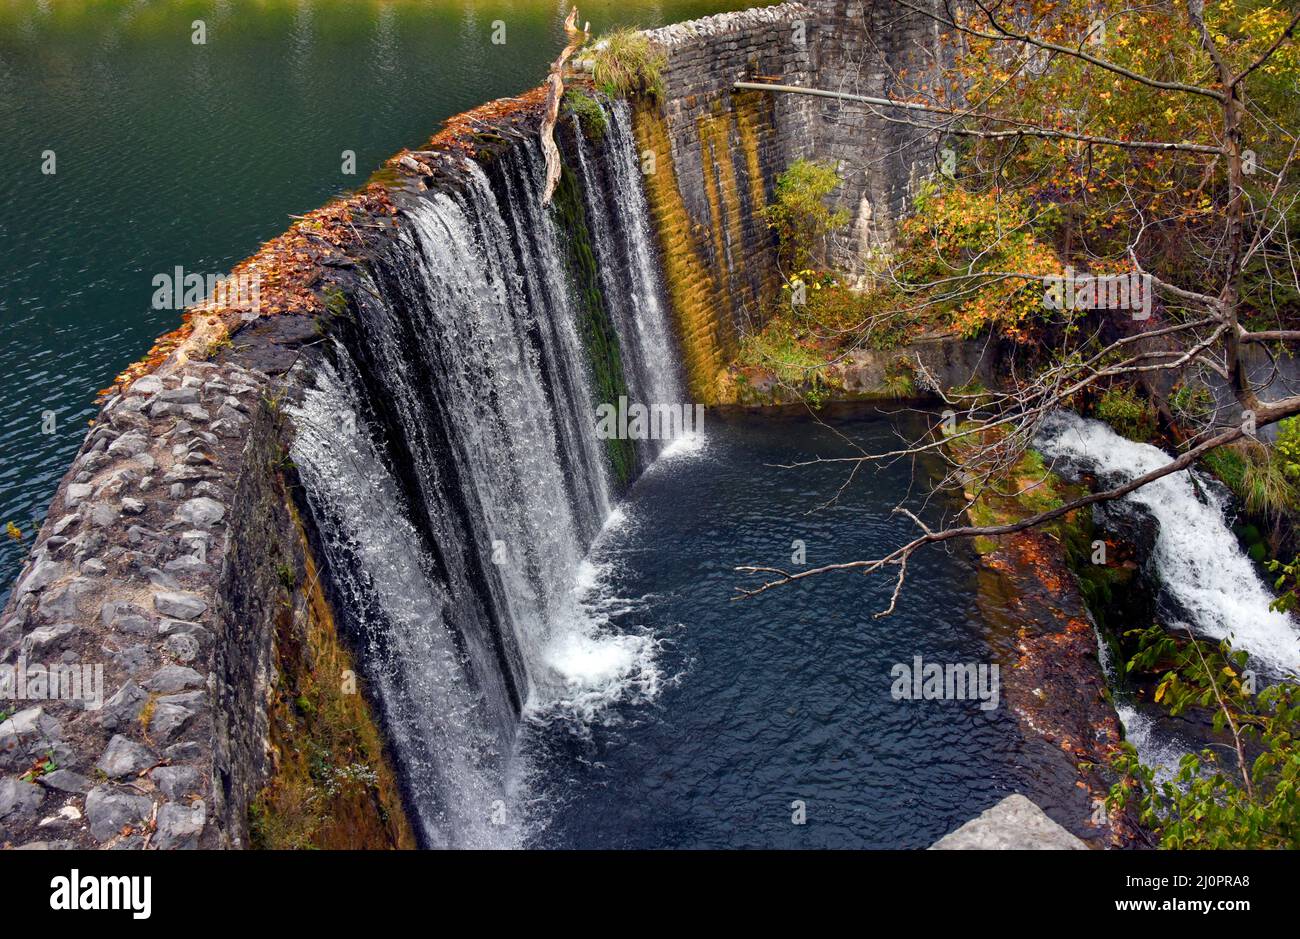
449,458
620,225
1198,559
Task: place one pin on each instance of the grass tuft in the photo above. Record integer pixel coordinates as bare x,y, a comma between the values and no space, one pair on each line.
626,63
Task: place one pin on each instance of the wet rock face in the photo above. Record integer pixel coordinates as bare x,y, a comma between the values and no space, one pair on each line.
110,624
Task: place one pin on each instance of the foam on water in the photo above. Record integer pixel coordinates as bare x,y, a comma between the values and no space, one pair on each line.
1161,752
595,663
687,445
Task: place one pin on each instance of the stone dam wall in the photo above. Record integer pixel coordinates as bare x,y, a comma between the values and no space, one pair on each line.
717,151
175,557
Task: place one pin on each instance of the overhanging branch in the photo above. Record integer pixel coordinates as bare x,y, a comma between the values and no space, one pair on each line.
1021,129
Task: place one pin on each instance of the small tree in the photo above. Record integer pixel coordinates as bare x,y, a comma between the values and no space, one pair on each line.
800,216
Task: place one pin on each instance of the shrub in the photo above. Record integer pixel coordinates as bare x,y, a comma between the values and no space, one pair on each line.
1190,402
952,250
1130,415
626,62
779,350
800,216
900,379
1217,798
1286,450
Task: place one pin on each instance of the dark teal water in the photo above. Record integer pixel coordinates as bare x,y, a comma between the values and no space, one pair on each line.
784,698
169,153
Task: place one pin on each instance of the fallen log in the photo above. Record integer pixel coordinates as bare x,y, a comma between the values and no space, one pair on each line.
415,166
554,92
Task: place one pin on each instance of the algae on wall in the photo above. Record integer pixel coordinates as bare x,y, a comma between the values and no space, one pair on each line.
692,291
332,786
304,762
719,270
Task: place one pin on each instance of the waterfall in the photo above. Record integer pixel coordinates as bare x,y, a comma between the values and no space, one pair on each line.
447,449
620,226
1199,562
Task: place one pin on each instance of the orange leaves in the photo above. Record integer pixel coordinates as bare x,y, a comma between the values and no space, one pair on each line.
459,133
287,269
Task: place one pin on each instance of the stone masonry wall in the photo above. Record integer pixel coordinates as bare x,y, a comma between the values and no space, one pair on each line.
716,156
718,152
123,578
876,48
171,561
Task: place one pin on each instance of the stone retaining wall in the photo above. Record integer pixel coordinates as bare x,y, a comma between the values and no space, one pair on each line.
123,578
716,156
717,152
880,49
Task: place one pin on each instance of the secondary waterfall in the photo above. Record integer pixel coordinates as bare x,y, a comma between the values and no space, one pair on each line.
449,458
1198,559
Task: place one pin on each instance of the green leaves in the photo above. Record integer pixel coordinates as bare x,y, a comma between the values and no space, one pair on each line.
1214,798
800,216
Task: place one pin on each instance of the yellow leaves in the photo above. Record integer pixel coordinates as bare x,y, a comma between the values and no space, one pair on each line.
13,531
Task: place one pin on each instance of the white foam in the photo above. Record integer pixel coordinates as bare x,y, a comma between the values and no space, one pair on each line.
687,445
1161,754
593,662
1197,555
592,667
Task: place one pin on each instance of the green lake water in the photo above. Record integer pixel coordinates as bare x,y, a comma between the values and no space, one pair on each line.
167,152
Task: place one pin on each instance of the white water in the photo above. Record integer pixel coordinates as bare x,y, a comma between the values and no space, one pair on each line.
460,496
456,764
1161,752
1197,556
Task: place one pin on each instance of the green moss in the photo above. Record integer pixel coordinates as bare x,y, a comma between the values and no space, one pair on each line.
1228,464
1027,488
336,301
386,176
597,330
591,116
